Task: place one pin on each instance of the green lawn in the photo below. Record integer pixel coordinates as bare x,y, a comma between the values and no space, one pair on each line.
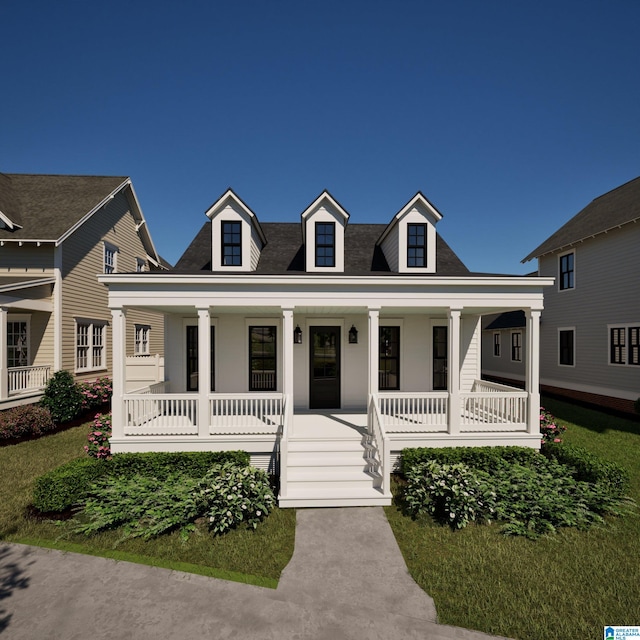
569,585
257,556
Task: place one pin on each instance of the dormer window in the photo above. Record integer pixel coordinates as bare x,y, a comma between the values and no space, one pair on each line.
416,245
231,244
325,244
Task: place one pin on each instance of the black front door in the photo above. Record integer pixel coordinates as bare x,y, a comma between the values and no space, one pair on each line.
440,349
324,365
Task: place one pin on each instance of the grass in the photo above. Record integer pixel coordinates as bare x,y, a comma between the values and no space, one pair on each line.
569,585
256,557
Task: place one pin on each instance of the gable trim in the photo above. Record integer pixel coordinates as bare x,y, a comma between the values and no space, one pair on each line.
231,194
418,197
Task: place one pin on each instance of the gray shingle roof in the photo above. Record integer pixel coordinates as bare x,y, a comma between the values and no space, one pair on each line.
46,206
610,210
284,252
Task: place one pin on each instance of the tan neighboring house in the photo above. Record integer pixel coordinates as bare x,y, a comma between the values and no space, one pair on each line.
57,233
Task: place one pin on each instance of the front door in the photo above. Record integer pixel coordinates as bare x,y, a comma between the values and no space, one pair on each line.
324,374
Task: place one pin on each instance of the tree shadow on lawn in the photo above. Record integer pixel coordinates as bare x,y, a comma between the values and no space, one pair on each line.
590,418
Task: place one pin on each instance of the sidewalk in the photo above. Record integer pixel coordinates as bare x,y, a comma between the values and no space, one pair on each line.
346,580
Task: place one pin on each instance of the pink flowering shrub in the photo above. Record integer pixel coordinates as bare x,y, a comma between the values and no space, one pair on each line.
95,393
549,427
98,437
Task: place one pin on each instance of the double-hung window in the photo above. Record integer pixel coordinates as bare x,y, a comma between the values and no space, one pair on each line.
389,368
110,258
566,271
516,346
141,346
416,245
17,343
496,344
325,244
262,358
624,345
90,345
232,244
566,347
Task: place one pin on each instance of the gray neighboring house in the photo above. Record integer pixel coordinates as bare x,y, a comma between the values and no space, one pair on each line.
590,326
57,233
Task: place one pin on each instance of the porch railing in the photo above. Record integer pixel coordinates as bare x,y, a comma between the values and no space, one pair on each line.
411,412
381,442
150,414
244,413
494,411
484,386
283,442
22,379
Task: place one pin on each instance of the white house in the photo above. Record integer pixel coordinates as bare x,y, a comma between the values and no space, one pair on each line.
590,328
323,348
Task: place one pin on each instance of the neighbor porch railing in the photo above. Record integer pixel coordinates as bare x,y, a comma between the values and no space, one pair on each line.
23,379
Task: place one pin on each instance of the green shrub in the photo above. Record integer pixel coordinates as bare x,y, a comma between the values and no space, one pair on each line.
26,421
610,477
227,496
453,494
62,397
64,487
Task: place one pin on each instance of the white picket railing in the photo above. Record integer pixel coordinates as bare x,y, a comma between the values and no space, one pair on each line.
150,413
22,379
484,386
382,455
414,412
245,413
283,442
494,410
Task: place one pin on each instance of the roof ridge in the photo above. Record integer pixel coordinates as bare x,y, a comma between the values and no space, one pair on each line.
606,193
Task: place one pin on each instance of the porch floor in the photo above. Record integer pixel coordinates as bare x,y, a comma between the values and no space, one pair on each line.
329,424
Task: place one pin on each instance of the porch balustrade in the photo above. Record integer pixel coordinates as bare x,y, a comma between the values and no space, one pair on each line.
23,379
381,443
414,412
166,414
244,413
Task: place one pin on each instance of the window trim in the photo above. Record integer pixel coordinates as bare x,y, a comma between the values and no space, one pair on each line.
92,325
572,271
318,245
109,266
497,344
517,347
423,246
141,265
628,347
571,330
26,318
259,324
224,244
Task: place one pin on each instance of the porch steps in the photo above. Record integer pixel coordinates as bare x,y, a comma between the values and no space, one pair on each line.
339,472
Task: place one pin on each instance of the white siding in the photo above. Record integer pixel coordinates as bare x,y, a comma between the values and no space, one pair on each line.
607,291
469,352
390,246
256,247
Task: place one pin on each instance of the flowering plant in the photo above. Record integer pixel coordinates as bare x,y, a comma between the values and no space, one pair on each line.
549,427
95,393
98,437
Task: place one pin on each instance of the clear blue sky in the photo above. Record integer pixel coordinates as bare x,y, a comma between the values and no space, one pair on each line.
509,116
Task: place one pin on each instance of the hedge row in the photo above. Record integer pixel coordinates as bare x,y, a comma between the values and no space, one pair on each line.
26,421
63,487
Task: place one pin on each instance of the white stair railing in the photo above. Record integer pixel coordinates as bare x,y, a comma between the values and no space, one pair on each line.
283,442
375,428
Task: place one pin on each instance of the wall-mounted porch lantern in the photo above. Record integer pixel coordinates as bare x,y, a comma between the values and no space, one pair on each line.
353,335
297,335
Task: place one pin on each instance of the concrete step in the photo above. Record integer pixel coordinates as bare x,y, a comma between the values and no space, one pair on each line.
325,458
336,496
315,444
350,474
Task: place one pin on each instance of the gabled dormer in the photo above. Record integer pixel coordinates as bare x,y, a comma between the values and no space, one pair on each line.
409,241
323,225
236,236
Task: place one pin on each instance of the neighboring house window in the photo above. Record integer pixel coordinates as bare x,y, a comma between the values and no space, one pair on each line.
496,344
416,245
90,345
142,339
516,346
231,244
389,367
566,347
17,344
262,358
624,345
110,258
141,265
566,271
325,244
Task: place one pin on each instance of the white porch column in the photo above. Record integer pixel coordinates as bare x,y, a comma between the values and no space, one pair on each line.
287,352
204,371
119,354
374,349
4,372
532,384
453,373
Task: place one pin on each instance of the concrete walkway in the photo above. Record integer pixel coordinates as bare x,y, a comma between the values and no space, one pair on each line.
346,580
